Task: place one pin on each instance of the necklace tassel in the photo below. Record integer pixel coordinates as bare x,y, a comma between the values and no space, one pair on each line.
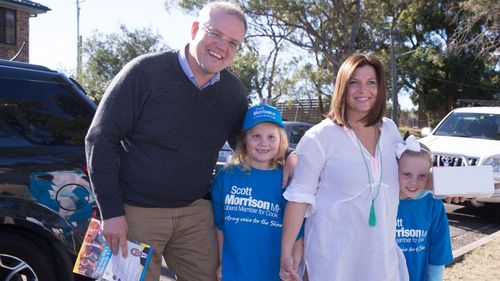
372,220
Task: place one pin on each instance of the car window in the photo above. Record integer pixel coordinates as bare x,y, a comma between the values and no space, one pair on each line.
45,113
474,125
297,133
225,152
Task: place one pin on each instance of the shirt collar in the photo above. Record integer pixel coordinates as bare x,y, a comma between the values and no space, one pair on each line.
189,73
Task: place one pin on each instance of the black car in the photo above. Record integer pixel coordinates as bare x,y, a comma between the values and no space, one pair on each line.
45,198
294,131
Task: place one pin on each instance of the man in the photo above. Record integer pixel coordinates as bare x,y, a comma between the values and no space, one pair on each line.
154,141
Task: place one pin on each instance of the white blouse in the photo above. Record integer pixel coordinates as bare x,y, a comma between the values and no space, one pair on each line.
331,177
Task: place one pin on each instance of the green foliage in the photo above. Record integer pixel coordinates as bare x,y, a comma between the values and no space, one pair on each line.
435,73
299,46
245,66
478,28
316,35
106,54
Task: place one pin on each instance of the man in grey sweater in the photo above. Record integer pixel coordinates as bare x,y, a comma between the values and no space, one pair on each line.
154,141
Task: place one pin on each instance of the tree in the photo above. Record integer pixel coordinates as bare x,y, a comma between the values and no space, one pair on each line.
258,72
478,28
106,54
324,33
437,73
327,31
246,67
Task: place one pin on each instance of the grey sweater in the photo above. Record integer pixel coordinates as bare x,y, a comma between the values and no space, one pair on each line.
155,137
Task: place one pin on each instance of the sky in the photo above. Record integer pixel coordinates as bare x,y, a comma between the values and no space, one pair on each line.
53,35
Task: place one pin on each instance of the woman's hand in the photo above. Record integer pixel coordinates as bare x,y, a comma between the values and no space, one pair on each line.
289,169
219,273
288,271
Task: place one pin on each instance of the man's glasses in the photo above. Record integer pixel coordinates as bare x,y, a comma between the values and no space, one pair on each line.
213,33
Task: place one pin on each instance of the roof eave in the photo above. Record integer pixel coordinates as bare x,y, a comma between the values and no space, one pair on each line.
32,10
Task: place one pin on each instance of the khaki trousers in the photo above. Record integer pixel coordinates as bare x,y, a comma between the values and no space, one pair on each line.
184,236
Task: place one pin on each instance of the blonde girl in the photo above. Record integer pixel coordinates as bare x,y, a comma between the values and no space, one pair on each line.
422,230
248,202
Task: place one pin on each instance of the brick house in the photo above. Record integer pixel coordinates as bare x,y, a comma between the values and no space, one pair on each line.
14,27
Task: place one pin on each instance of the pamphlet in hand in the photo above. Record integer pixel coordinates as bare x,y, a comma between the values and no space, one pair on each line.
96,260
465,181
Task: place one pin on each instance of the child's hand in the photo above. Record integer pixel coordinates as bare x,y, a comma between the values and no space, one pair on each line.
455,199
291,276
219,273
288,271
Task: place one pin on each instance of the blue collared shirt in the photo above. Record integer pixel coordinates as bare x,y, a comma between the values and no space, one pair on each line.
187,69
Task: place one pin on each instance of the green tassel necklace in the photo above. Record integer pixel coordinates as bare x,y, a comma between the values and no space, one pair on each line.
372,219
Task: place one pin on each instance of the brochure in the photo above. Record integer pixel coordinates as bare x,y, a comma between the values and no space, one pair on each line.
466,181
96,260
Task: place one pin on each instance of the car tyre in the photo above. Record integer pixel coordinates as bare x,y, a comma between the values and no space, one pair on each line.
494,209
22,259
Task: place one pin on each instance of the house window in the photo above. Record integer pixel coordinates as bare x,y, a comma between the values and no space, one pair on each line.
7,26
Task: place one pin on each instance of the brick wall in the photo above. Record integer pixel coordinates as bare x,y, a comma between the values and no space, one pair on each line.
8,51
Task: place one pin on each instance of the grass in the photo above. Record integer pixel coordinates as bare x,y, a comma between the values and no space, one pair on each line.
413,131
481,264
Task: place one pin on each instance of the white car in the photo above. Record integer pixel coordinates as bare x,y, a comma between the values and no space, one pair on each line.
468,136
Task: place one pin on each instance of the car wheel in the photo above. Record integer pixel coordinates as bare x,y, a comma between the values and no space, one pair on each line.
494,208
22,259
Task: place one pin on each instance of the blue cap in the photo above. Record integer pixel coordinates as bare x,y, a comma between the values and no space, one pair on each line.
262,113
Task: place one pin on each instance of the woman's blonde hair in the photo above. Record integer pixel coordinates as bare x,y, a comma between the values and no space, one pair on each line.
240,156
339,103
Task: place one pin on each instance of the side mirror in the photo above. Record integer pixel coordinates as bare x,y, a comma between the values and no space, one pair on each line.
425,131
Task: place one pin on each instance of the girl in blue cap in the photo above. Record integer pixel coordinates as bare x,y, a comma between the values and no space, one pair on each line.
248,202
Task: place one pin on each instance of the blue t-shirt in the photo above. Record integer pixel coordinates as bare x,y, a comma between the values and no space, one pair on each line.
423,234
248,208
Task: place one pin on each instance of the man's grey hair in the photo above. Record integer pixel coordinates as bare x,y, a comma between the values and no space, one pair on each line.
228,7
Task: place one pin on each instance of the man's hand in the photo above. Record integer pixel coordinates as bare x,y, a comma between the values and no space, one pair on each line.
289,169
115,232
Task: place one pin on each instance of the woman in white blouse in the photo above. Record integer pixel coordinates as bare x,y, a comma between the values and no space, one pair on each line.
346,185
